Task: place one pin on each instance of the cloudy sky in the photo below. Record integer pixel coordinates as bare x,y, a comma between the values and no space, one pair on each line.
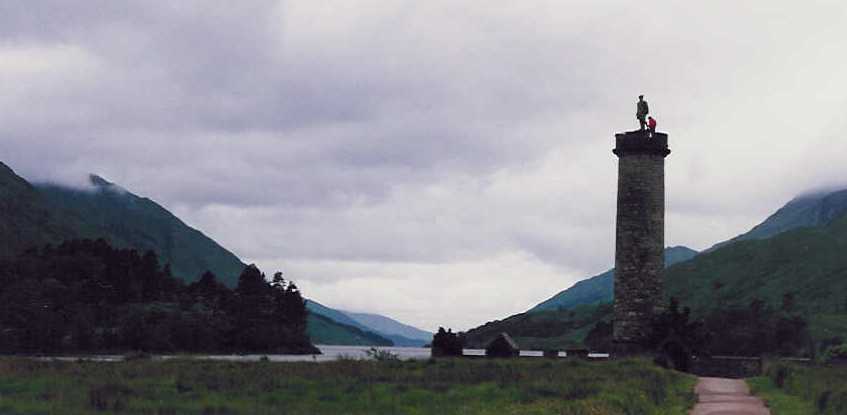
440,162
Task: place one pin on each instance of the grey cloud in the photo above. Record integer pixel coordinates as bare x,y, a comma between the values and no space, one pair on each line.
408,133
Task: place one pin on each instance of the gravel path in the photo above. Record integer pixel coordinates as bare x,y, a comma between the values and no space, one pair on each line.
719,396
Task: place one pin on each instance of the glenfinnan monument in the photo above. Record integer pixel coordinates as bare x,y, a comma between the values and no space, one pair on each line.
640,236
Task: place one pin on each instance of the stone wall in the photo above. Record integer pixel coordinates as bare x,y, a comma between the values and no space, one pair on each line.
640,235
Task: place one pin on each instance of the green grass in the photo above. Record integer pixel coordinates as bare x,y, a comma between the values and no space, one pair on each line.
779,402
807,390
440,387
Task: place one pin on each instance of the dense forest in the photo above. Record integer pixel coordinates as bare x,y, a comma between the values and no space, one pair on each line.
85,296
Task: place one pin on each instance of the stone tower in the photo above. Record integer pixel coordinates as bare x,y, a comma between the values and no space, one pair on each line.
640,236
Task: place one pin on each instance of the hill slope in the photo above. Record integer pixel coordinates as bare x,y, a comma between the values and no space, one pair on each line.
600,288
126,220
383,327
323,330
334,315
34,215
808,263
546,329
814,209
799,251
46,213
401,334
25,218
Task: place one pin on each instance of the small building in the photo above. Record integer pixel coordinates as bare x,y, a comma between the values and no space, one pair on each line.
577,353
502,346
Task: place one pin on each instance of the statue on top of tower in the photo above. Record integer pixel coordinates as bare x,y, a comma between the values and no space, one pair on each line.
642,111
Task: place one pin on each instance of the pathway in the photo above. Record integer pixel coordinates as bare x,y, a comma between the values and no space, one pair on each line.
719,396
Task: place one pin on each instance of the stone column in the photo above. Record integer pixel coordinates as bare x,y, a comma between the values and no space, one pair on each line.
640,236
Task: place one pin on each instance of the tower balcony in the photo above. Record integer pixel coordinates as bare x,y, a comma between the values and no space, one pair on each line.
641,142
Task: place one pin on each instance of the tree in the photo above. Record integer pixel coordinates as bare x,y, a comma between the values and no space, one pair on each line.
788,302
446,344
599,339
290,307
86,296
675,336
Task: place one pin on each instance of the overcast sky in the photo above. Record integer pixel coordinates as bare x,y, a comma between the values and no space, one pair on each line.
440,162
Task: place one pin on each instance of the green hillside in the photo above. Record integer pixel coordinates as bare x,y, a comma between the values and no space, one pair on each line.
796,259
401,334
323,330
45,213
334,315
126,220
814,209
600,288
808,264
388,332
26,220
548,329
33,216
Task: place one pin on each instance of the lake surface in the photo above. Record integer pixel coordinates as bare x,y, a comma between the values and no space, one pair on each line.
330,353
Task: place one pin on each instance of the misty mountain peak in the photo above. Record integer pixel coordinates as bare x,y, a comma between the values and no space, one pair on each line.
815,208
98,181
101,184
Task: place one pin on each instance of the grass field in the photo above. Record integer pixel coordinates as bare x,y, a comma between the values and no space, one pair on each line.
779,402
793,389
343,387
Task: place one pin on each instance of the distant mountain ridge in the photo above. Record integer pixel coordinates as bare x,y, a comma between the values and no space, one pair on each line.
600,288
798,251
807,263
813,209
35,215
398,333
25,218
401,334
809,210
324,330
127,220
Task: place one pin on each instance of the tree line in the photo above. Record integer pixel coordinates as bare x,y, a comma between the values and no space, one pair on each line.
755,330
85,296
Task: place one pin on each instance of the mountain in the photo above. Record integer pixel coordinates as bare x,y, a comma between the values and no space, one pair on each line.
813,209
401,334
26,220
334,315
129,221
546,329
398,333
34,215
795,256
600,288
808,264
323,330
